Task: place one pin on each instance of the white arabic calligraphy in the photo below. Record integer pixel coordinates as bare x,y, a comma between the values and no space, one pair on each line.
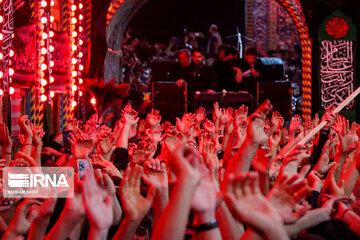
336,72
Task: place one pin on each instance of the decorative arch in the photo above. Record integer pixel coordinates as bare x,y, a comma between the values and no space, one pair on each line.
306,48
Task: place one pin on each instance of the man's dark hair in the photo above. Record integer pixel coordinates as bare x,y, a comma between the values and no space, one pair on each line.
198,49
251,51
228,49
184,50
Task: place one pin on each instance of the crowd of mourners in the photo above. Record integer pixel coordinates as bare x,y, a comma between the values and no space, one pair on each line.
232,175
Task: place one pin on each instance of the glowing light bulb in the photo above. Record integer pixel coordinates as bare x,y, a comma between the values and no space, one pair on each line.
81,42
11,53
1,19
43,66
81,54
80,6
43,4
51,33
81,29
81,17
74,47
93,101
73,8
73,60
43,82
74,88
1,74
43,20
51,63
74,103
74,73
81,67
43,51
51,48
52,3
11,90
74,34
43,98
81,81
80,93
11,71
1,92
52,79
44,36
52,18
52,94
73,20
1,36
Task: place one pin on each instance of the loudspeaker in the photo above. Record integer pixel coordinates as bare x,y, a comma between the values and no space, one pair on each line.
169,99
279,93
271,69
162,68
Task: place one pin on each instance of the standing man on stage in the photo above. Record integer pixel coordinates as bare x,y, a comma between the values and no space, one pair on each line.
214,42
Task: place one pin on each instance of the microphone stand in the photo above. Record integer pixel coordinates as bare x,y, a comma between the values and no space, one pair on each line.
239,41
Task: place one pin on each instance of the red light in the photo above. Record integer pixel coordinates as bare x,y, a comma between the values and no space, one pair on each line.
81,54
43,4
74,88
43,66
52,3
74,47
11,71
80,6
73,20
51,63
81,29
43,51
81,67
74,73
73,61
1,74
51,48
43,98
93,101
52,94
74,34
1,19
74,103
80,93
81,17
81,81
73,8
52,79
44,36
43,82
11,90
52,18
1,92
1,36
81,42
51,33
11,53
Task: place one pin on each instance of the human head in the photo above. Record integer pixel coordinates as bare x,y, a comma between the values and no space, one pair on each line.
213,29
227,52
251,55
197,55
184,56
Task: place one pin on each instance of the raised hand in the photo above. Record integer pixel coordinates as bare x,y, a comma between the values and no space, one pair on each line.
295,126
335,189
314,181
153,118
155,174
348,138
25,127
293,160
286,194
81,146
5,139
209,126
131,118
329,117
248,205
200,115
323,165
98,204
38,134
186,122
99,162
135,206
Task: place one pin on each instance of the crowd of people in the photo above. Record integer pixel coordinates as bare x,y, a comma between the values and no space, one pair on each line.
204,63
227,176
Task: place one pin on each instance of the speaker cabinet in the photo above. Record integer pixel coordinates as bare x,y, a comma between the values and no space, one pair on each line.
169,99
